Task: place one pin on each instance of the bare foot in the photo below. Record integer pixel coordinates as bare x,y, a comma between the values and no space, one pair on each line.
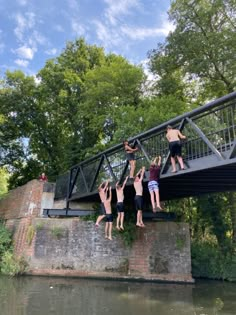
142,225
139,225
106,236
154,210
96,225
122,228
110,238
118,228
174,171
159,208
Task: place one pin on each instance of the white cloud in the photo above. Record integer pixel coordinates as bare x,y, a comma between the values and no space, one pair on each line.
22,2
25,52
77,28
23,23
38,38
144,32
108,36
58,28
52,51
121,7
73,4
21,62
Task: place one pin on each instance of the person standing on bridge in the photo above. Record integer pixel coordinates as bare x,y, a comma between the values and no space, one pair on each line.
120,204
153,188
130,157
102,190
109,216
138,186
174,136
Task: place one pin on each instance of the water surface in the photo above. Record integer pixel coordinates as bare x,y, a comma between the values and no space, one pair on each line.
60,296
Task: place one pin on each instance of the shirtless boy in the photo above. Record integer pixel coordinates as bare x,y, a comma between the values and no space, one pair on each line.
109,216
102,190
138,186
174,136
120,204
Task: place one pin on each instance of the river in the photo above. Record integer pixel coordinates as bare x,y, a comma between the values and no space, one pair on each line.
70,296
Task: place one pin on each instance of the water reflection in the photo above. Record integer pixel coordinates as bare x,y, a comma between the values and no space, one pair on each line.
46,296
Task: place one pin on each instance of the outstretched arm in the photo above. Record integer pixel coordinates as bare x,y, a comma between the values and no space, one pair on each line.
142,173
110,195
125,181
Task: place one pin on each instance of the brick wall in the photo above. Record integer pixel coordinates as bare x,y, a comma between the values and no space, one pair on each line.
27,200
161,251
73,247
22,201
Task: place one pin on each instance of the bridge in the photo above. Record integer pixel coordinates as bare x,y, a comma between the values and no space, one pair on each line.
209,154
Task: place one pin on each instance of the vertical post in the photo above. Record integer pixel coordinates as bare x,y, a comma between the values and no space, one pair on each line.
68,190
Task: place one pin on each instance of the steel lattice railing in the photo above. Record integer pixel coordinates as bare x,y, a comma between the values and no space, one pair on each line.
210,132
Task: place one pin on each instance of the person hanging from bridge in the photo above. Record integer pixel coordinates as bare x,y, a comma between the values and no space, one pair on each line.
138,186
102,190
130,156
120,204
174,136
109,215
154,173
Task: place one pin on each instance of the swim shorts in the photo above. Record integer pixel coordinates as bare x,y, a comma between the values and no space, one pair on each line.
152,185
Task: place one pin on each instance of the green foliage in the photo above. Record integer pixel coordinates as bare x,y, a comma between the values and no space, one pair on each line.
30,234
57,231
39,226
200,52
3,181
9,264
129,233
5,239
12,266
208,261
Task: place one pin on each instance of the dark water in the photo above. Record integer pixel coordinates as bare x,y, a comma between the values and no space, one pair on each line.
46,296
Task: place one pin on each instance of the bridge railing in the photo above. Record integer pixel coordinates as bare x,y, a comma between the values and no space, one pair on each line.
210,130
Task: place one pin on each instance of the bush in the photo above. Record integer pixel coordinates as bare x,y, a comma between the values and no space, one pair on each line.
12,266
209,262
5,239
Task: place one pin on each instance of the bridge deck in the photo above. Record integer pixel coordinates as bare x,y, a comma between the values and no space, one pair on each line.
209,154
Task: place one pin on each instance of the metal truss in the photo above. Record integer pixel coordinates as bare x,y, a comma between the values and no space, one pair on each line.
211,142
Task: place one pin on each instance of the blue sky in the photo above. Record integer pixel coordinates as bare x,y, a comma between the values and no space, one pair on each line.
32,31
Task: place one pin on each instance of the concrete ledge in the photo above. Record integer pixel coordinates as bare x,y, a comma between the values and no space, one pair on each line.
170,278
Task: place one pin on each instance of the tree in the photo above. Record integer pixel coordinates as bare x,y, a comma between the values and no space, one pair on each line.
202,46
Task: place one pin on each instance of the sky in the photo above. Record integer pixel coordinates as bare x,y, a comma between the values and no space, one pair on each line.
33,31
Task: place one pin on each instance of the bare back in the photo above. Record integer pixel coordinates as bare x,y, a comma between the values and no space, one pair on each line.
138,186
174,135
107,205
102,194
120,195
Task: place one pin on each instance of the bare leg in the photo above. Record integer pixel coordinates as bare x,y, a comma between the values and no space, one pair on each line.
110,231
139,219
132,168
152,201
122,215
181,163
158,199
106,230
173,164
99,219
118,220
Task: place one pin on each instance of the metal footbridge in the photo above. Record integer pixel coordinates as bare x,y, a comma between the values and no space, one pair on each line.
209,154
